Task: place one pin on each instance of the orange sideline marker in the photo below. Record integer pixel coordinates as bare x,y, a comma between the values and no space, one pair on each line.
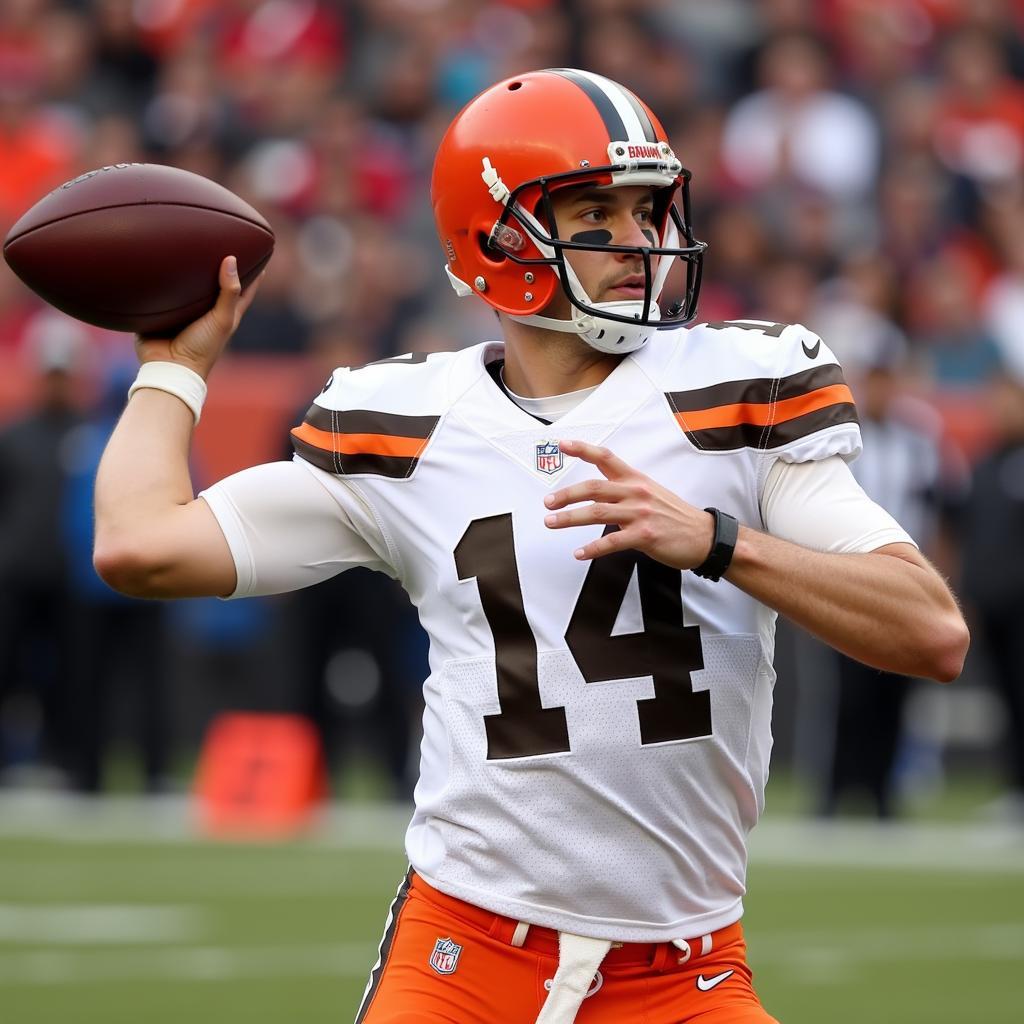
259,775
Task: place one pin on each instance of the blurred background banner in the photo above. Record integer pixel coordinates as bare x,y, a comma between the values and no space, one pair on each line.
858,167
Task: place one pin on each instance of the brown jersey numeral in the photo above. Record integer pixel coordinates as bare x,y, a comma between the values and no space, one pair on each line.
667,650
522,728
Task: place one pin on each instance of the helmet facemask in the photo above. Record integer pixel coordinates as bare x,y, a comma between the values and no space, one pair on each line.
617,326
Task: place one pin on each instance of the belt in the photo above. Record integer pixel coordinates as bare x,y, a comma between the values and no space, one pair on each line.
659,955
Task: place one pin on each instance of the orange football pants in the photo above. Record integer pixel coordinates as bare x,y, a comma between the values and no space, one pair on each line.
444,960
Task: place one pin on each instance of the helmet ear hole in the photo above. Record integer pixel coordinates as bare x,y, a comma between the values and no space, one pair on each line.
489,252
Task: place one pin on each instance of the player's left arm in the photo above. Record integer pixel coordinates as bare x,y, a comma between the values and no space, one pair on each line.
888,608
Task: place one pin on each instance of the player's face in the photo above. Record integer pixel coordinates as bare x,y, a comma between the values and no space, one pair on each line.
605,216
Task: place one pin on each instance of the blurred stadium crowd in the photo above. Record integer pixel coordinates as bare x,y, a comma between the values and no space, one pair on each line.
858,166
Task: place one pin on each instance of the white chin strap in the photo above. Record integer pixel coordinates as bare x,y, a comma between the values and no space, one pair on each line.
600,332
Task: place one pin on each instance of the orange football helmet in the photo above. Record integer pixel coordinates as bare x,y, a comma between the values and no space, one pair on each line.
503,157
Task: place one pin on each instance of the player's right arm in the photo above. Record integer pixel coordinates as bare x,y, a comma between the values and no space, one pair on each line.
153,537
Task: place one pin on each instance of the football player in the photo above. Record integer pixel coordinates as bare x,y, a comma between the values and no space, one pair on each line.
598,517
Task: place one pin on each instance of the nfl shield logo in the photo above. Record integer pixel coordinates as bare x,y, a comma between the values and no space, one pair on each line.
549,457
445,957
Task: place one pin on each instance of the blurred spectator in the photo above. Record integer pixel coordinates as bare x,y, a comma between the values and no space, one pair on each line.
358,669
274,323
1003,302
39,145
979,130
35,601
66,42
786,289
117,643
899,469
879,42
957,349
188,109
993,583
359,165
797,131
124,68
737,236
1001,20
279,59
633,50
912,211
17,306
908,110
856,311
358,659
767,20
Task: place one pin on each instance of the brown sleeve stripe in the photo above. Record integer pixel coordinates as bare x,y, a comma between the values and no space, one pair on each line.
761,414
341,463
362,441
758,391
750,435
764,413
360,444
367,421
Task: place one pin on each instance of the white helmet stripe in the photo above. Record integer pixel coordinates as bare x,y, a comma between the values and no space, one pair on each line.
645,119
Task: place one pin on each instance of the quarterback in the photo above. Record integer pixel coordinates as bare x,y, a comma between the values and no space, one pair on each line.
598,517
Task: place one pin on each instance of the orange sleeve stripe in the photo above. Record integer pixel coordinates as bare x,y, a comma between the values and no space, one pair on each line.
761,413
361,444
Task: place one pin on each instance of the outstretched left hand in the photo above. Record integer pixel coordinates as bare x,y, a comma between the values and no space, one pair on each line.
649,517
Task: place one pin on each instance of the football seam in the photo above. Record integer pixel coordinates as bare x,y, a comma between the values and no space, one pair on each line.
118,206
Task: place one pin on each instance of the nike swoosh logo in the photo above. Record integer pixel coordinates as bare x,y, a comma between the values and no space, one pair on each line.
707,984
811,353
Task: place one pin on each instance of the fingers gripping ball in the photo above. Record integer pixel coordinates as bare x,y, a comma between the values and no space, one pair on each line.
136,247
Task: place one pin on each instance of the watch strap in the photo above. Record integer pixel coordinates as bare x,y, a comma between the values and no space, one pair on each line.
727,529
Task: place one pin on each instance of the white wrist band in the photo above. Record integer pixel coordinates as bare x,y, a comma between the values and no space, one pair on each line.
176,380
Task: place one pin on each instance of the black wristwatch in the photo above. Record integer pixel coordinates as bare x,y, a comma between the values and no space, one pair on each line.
727,529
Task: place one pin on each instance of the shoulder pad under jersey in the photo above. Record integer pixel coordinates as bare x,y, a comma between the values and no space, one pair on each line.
771,387
377,419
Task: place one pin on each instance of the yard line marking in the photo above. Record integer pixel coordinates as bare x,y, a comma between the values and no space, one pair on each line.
203,963
968,846
173,820
914,942
218,876
89,924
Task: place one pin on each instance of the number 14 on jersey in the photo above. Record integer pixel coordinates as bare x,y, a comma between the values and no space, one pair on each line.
667,650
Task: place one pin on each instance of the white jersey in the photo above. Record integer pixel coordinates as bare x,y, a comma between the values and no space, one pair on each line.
596,734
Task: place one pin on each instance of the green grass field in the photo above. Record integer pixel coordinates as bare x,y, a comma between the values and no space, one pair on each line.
116,924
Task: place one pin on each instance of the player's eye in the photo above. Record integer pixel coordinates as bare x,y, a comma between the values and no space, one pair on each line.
595,216
645,216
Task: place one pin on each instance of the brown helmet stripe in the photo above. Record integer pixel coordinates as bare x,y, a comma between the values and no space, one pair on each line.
605,107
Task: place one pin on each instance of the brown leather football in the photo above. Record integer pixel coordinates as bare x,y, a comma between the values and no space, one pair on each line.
136,247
